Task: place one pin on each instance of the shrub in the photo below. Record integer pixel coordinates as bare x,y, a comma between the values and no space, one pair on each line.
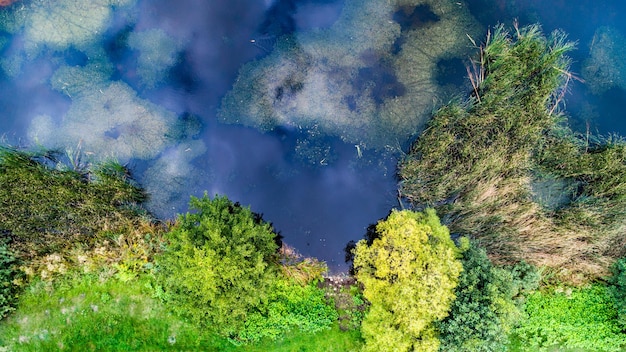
617,289
409,274
219,264
290,306
486,306
8,274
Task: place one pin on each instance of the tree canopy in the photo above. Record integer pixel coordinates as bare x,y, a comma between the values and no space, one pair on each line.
409,274
218,263
488,303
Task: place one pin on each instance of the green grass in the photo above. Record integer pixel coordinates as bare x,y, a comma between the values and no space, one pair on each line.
89,312
48,204
333,340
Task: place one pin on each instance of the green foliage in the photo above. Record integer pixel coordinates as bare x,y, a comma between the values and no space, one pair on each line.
617,289
289,306
96,311
46,206
486,306
219,264
581,318
9,273
409,274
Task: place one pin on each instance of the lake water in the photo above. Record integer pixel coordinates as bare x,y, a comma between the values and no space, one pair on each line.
309,131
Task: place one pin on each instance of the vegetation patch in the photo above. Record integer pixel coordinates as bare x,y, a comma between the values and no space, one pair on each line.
579,318
97,312
221,269
477,161
47,205
9,274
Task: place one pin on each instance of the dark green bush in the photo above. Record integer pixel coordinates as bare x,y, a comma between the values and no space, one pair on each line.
485,309
617,289
220,264
8,274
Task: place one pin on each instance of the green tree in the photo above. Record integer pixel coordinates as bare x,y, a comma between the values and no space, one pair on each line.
219,264
487,304
409,274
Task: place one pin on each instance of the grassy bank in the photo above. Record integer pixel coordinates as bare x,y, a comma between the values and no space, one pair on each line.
99,312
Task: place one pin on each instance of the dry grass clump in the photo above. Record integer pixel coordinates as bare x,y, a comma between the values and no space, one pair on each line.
302,270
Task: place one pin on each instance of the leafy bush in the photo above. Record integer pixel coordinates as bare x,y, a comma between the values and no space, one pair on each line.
580,318
8,274
409,274
219,264
617,289
289,306
485,309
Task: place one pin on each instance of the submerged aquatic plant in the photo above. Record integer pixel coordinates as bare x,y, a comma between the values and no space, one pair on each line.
476,162
106,117
605,69
369,79
157,54
59,24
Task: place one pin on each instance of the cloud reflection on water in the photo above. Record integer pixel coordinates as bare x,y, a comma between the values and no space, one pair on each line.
317,209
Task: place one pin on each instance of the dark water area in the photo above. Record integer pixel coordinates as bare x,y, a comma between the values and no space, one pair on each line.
143,82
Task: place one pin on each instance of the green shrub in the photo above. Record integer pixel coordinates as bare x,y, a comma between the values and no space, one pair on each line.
8,274
485,309
290,306
617,289
219,264
580,318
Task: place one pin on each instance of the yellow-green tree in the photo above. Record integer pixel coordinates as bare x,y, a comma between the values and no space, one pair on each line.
409,274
